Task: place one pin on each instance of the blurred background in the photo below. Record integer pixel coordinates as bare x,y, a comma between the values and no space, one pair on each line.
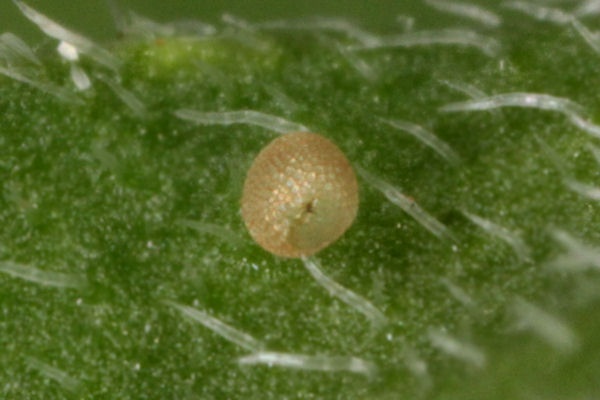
94,19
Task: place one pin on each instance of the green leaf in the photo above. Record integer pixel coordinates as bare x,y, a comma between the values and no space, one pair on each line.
126,270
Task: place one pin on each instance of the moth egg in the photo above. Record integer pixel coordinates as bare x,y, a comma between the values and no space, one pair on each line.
300,195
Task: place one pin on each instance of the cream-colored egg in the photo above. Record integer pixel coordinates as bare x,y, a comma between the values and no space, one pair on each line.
300,195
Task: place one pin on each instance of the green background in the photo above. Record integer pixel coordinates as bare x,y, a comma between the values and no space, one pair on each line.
94,19
91,190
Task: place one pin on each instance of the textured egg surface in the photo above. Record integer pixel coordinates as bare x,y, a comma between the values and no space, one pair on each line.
300,195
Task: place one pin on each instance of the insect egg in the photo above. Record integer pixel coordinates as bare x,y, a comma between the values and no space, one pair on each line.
300,195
